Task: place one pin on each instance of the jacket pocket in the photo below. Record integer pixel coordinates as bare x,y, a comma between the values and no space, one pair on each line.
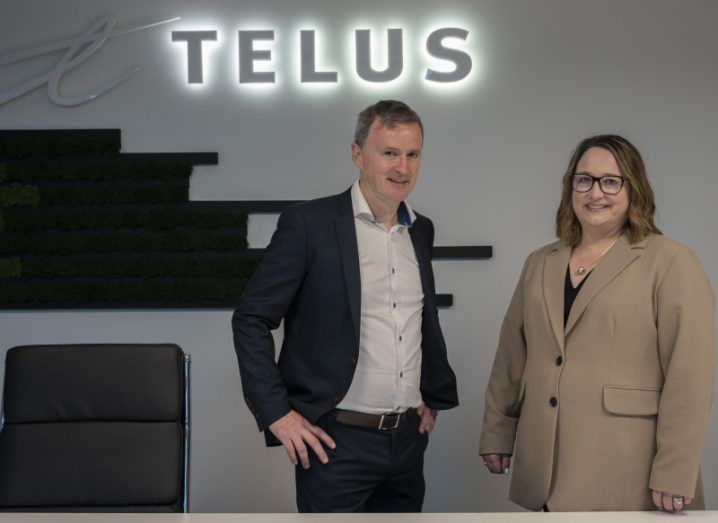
631,401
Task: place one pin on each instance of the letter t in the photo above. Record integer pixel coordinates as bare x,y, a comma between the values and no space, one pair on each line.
194,41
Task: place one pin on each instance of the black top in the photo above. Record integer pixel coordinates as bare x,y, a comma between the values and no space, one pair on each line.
569,293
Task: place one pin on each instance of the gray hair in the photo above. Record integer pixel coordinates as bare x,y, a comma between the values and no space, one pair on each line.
389,113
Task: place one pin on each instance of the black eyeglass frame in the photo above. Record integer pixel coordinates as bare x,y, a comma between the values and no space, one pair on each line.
598,179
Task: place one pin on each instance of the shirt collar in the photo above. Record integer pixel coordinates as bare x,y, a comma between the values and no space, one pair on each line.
405,215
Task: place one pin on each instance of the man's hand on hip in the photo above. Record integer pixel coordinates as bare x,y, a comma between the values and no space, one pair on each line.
428,418
296,433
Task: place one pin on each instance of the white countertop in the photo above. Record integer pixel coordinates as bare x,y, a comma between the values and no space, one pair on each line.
500,517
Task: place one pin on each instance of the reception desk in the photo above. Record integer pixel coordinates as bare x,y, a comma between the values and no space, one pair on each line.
498,517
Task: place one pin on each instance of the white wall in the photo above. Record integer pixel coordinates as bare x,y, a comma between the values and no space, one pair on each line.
547,73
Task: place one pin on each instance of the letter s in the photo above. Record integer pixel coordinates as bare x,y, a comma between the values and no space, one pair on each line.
436,48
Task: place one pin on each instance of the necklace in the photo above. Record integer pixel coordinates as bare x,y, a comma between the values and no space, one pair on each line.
581,270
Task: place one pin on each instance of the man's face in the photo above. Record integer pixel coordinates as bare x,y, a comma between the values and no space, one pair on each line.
389,163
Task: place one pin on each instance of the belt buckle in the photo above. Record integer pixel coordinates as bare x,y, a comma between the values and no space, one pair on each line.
384,416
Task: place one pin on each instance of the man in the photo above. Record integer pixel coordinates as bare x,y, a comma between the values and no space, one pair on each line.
363,366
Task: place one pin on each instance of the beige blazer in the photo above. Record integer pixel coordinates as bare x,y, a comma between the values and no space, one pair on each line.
616,403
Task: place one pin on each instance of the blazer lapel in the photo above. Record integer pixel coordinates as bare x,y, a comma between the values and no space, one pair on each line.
554,276
610,266
349,252
423,258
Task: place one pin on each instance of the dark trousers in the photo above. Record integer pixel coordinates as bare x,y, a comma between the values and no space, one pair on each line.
370,470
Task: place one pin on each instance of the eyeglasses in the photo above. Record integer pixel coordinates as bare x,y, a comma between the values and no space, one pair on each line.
608,184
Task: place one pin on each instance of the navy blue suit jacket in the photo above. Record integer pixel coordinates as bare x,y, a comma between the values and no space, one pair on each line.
309,276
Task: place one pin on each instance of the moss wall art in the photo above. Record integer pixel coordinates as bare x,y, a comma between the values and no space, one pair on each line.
83,225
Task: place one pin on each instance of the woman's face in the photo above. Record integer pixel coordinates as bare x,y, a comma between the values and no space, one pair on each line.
597,212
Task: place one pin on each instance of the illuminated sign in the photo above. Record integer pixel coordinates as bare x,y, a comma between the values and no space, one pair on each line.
435,46
446,58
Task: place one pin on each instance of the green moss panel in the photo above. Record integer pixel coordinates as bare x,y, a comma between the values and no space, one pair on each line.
10,268
121,241
181,265
82,225
59,142
120,292
33,170
15,194
148,217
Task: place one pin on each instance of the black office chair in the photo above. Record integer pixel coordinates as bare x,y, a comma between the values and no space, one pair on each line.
95,428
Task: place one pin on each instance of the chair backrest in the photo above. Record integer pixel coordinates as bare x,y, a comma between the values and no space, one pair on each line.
97,428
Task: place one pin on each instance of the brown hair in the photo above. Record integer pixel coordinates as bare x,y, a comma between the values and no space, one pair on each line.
641,205
389,112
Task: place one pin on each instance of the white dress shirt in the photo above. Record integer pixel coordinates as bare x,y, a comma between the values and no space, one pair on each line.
388,371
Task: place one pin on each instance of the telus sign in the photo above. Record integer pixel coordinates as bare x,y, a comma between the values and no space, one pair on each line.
249,56
450,64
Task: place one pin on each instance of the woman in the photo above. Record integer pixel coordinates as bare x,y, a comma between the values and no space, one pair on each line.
603,376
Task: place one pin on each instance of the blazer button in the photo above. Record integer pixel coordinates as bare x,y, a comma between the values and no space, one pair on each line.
337,399
553,401
353,362
559,361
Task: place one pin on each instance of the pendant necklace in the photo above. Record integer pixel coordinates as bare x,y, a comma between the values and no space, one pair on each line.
581,270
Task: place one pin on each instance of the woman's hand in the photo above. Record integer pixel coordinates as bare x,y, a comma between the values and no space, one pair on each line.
669,502
497,463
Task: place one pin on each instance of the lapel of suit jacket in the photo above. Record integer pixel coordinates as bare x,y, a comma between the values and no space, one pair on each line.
349,252
612,263
423,258
554,274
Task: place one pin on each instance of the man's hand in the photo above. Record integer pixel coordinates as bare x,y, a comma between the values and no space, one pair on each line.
669,502
497,463
296,433
428,418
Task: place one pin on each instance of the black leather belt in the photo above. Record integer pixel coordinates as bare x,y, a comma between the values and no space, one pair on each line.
373,421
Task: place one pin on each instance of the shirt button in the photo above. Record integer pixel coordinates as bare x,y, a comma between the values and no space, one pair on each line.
394,304
553,401
400,338
401,374
392,270
559,361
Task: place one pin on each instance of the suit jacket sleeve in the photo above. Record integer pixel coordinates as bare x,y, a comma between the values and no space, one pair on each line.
504,393
262,306
438,381
686,346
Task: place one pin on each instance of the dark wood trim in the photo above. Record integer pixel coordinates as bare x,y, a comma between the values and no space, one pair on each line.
464,252
469,252
264,206
198,158
113,134
442,300
121,305
445,300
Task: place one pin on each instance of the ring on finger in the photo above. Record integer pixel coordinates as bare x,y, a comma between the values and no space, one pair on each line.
677,500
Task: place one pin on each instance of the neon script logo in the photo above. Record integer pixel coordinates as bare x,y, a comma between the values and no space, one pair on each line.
255,63
77,51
